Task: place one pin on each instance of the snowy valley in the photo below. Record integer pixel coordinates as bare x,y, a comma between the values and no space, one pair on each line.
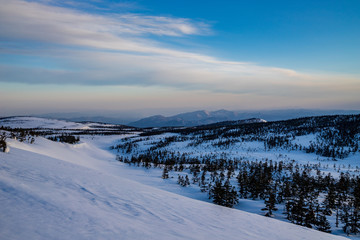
66,180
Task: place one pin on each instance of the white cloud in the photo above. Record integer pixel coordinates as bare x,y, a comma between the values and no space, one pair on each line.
116,50
21,20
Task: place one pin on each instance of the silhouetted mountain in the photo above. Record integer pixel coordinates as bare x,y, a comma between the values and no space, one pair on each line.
188,119
132,117
204,117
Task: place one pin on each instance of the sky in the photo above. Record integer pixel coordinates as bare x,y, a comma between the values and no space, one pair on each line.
163,56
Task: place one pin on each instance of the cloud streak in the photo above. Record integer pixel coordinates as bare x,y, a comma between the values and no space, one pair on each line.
33,21
119,49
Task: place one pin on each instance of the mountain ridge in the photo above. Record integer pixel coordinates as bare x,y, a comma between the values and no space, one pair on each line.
202,117
187,119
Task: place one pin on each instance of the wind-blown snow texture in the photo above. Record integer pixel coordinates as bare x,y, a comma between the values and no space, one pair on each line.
34,122
51,190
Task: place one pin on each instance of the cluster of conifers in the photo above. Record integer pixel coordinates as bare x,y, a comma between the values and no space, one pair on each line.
307,196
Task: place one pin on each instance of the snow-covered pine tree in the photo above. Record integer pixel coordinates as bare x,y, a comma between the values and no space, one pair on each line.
3,145
165,174
223,194
270,204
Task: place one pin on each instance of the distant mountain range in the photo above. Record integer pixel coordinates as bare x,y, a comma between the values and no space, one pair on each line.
189,118
186,119
204,117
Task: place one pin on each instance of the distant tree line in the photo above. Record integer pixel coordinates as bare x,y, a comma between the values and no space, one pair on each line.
336,136
65,138
22,135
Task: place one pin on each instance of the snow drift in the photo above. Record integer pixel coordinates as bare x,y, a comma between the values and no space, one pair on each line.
51,190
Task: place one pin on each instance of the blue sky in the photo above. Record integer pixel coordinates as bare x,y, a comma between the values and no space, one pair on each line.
135,55
303,35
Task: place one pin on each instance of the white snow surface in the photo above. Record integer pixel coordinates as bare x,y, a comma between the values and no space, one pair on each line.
51,190
35,122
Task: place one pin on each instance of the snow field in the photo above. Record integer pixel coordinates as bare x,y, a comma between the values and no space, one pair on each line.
50,190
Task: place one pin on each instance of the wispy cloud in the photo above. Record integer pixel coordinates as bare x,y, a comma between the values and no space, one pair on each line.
23,20
118,49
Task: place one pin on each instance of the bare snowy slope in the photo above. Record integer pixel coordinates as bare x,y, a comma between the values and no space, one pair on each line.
51,190
35,122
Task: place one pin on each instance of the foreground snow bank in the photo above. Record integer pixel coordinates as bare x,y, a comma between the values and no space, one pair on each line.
67,193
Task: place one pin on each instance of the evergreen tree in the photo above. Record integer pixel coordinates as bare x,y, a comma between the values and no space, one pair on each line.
297,211
270,204
230,194
181,181
329,202
217,193
356,193
345,218
3,145
187,181
242,179
165,174
355,221
223,194
203,183
309,217
322,224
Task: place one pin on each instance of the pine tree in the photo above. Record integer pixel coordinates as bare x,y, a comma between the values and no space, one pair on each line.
345,218
355,221
351,216
322,224
217,193
230,194
298,211
329,202
3,144
224,195
289,210
242,179
309,217
203,183
187,181
165,174
356,193
270,204
181,181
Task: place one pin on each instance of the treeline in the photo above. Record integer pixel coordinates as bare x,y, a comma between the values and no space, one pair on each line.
98,130
336,136
22,135
307,195
65,138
